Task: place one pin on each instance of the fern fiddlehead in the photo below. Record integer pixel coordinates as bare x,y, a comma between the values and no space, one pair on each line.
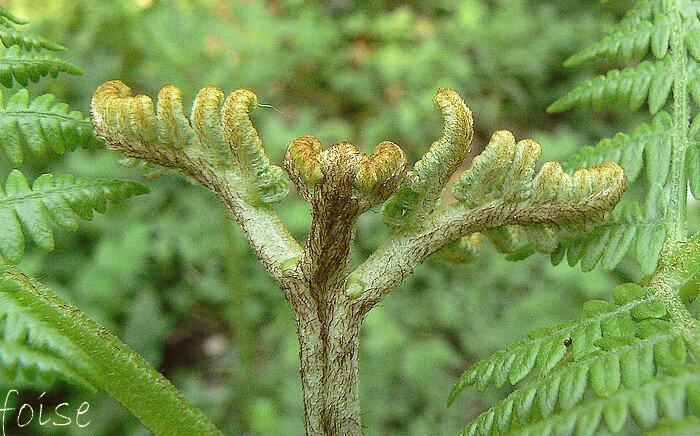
219,148
501,196
500,193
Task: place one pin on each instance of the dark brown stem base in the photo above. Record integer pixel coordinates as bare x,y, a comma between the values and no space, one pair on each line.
328,342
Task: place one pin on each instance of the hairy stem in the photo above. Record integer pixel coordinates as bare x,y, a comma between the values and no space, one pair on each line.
676,212
328,354
396,258
676,268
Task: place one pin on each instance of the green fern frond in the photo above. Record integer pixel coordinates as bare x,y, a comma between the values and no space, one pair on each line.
661,396
693,158
694,170
51,338
694,83
627,44
11,36
630,226
22,66
627,150
627,88
544,349
675,427
616,354
4,13
41,124
28,350
692,43
64,199
643,10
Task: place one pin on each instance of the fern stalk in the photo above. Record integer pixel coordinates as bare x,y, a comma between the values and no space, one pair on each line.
677,204
676,268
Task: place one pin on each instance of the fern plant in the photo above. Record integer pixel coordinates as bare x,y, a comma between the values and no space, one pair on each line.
636,358
42,338
501,195
626,357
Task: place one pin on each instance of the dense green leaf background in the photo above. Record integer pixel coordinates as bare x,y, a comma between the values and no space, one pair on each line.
171,274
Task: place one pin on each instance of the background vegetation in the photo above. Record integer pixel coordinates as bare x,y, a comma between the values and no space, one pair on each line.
172,277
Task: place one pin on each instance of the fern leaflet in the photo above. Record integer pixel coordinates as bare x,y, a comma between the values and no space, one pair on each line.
21,66
675,427
11,36
627,44
30,349
4,13
64,199
41,124
624,357
628,88
642,10
629,227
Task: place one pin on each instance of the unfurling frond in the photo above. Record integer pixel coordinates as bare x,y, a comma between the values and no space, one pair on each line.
23,67
371,179
303,164
627,88
505,171
41,124
216,138
623,359
63,198
419,193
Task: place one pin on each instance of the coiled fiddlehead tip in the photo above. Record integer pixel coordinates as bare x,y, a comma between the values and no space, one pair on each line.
302,161
383,171
419,193
458,119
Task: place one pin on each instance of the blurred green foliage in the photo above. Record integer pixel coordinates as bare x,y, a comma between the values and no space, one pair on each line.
173,277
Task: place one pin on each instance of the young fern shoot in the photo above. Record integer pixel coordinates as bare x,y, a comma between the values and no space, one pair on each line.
501,195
